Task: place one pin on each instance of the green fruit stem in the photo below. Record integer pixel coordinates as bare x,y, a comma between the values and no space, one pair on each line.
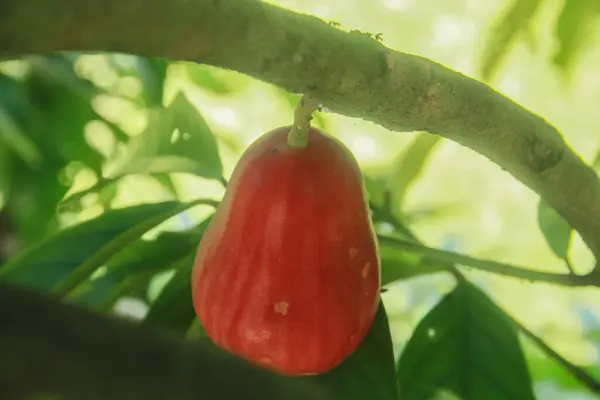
298,136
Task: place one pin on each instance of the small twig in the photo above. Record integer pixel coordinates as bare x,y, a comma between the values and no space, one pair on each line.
492,266
569,266
385,214
415,246
578,372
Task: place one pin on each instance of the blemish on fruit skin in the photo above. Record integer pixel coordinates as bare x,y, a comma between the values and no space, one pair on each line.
281,307
366,269
352,252
265,360
257,336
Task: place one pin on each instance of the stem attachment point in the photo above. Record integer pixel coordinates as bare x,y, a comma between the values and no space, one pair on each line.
298,136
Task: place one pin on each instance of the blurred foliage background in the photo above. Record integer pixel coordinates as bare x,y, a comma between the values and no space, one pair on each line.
69,123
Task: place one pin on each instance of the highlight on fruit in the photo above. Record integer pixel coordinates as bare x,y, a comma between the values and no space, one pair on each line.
287,273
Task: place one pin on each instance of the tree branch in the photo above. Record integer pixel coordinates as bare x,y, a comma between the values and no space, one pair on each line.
591,279
56,350
350,73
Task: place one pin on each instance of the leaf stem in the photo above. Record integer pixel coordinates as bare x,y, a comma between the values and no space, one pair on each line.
578,372
415,246
298,136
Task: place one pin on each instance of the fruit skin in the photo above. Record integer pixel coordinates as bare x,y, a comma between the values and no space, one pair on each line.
287,273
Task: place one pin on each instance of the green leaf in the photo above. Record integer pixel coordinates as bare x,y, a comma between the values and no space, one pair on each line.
376,189
545,368
14,137
515,21
130,270
48,100
63,102
574,27
409,166
369,373
106,195
177,139
107,190
592,335
196,331
467,346
556,229
73,202
173,310
400,265
66,259
153,73
214,79
166,181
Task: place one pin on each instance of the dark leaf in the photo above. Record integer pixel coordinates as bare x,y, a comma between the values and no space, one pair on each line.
13,98
468,347
153,73
5,172
68,258
31,188
130,270
177,140
409,165
14,138
63,105
369,373
52,348
173,309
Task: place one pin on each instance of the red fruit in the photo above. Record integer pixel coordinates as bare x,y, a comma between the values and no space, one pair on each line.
287,273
